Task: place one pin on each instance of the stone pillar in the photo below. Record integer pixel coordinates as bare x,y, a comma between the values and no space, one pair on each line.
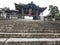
4,14
41,17
53,19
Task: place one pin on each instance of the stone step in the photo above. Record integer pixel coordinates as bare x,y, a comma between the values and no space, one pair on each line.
30,31
29,41
29,35
33,41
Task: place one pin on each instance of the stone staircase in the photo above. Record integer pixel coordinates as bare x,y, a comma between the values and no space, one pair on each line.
35,27
19,28
23,26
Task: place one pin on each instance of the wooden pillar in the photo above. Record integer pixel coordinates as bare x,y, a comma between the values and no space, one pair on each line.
37,12
37,16
30,11
22,13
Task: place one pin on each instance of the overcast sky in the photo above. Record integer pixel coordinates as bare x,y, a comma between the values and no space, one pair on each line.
41,3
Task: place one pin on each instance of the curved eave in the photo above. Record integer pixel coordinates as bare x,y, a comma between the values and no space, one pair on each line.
42,9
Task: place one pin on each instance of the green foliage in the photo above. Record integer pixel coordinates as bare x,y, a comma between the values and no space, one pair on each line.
53,10
57,16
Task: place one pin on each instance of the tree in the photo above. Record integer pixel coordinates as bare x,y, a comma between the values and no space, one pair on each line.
57,16
53,10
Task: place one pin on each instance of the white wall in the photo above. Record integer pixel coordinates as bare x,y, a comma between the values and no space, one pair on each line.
28,17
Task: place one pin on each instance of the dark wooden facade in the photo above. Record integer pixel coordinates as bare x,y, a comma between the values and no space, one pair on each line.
29,9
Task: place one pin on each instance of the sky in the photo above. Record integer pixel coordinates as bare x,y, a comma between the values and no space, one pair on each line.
40,3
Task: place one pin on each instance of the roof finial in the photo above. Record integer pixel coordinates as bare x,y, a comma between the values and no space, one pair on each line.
31,2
